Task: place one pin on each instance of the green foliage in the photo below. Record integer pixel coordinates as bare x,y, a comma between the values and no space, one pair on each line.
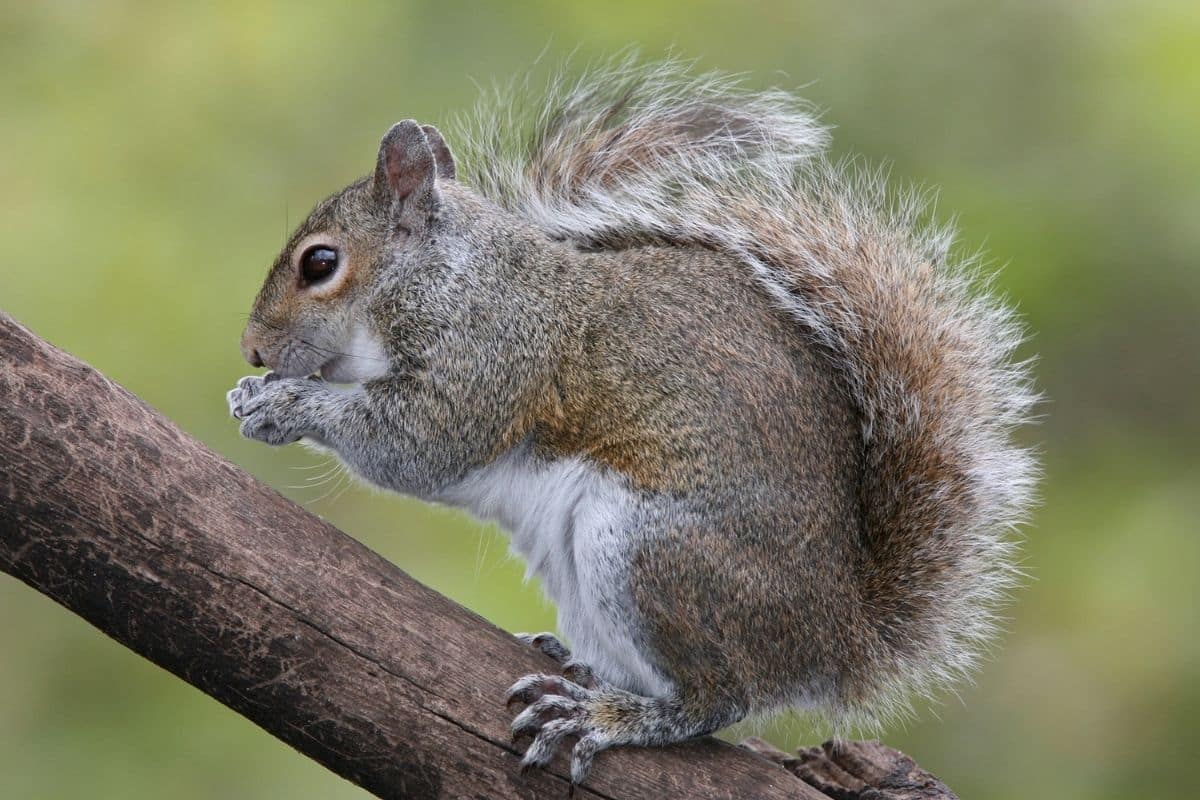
154,155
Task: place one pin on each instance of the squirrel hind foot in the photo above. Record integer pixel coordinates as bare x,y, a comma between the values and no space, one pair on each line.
599,718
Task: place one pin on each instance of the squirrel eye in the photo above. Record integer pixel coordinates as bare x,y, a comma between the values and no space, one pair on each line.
318,263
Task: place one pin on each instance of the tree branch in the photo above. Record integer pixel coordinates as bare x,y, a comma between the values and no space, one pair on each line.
113,512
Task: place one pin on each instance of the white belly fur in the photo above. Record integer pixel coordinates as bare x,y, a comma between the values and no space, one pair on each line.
569,520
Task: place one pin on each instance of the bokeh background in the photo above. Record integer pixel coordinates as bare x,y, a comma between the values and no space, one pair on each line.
153,156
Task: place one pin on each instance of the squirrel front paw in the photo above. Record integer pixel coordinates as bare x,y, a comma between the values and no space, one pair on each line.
271,409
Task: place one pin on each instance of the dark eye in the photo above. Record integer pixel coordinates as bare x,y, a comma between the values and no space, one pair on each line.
318,263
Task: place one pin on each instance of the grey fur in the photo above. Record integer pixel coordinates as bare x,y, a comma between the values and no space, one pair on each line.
741,410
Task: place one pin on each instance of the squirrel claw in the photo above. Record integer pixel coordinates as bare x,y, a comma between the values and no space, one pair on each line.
239,398
552,706
574,671
579,673
532,688
552,718
547,643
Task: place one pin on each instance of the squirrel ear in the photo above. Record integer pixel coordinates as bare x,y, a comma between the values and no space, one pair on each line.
406,169
441,152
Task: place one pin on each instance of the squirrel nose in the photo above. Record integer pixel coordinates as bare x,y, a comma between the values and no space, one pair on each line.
251,354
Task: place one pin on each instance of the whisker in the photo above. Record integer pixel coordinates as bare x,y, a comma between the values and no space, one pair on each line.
310,466
331,490
481,548
312,346
320,480
313,481
349,482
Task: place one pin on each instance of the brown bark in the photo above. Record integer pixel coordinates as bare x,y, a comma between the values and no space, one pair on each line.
857,771
113,512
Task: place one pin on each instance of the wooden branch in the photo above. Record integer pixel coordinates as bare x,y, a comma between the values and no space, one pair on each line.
113,512
857,771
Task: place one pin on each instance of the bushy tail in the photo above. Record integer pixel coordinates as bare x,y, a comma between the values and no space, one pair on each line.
633,154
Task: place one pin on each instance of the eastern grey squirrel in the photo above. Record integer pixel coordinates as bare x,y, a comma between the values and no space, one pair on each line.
738,408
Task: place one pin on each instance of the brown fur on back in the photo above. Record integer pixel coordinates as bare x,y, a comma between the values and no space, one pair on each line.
919,351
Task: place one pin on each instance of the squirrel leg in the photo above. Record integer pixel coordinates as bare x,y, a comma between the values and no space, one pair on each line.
604,717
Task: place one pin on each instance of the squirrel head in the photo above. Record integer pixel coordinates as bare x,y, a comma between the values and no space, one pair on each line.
310,314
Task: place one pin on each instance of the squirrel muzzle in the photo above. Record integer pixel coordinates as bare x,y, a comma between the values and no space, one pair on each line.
250,352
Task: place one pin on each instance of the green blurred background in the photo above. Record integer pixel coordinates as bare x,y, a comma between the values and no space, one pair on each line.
152,157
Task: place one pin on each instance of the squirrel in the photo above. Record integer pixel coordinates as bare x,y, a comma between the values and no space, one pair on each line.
736,403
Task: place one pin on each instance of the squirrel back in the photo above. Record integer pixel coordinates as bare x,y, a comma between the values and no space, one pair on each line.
633,156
